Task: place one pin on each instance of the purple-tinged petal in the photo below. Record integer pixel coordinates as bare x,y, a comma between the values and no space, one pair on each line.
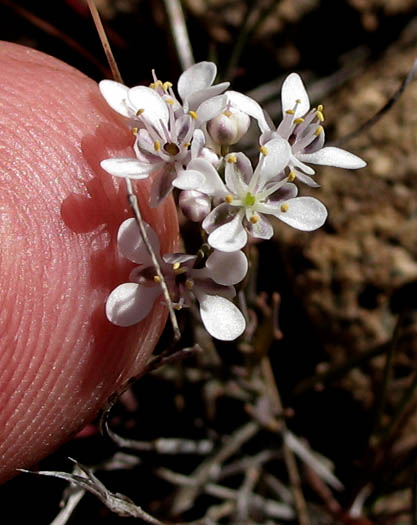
211,108
184,129
126,167
194,204
250,107
116,96
162,185
195,78
229,237
221,214
227,267
197,144
131,245
285,192
302,213
153,106
129,303
221,318
331,156
238,173
292,90
261,229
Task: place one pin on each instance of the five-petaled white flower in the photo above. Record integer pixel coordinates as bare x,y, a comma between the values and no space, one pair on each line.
211,285
301,127
249,195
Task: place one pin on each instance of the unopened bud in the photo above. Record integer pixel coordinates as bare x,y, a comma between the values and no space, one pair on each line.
228,127
194,205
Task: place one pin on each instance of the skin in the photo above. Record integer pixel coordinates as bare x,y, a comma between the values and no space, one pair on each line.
60,359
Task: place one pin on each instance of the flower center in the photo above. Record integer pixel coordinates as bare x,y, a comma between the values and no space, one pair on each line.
249,200
171,148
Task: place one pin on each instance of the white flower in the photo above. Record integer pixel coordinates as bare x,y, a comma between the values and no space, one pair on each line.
163,127
211,285
301,127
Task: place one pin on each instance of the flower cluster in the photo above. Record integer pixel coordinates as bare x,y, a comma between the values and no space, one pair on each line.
185,142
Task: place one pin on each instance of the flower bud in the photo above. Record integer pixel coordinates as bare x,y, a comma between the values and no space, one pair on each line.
228,127
194,205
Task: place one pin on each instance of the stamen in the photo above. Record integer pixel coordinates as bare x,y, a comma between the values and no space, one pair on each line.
229,198
290,112
169,101
318,131
139,112
156,279
186,145
157,145
177,307
189,284
135,131
298,120
264,150
298,100
254,219
319,115
232,159
292,176
176,266
227,113
284,208
166,85
193,114
320,107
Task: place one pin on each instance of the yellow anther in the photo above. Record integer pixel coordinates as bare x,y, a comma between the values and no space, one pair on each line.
284,208
157,145
152,85
176,266
139,111
292,176
189,284
169,101
318,131
177,307
320,107
298,101
228,199
290,112
264,150
254,219
298,120
231,159
135,131
227,113
166,85
187,145
156,279
193,114
319,115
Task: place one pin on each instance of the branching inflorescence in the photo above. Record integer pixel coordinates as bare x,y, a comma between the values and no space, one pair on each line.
185,142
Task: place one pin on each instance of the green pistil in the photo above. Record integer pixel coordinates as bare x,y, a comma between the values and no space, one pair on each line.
249,200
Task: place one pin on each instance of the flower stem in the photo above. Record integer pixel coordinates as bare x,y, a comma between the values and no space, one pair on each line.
179,33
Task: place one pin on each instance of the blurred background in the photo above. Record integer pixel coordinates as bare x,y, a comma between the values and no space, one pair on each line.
348,291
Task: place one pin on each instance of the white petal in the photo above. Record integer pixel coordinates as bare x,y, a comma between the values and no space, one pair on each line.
227,268
303,213
229,237
331,156
211,108
195,78
212,183
195,99
189,180
129,303
153,106
116,96
250,107
221,318
279,154
126,167
131,244
292,90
